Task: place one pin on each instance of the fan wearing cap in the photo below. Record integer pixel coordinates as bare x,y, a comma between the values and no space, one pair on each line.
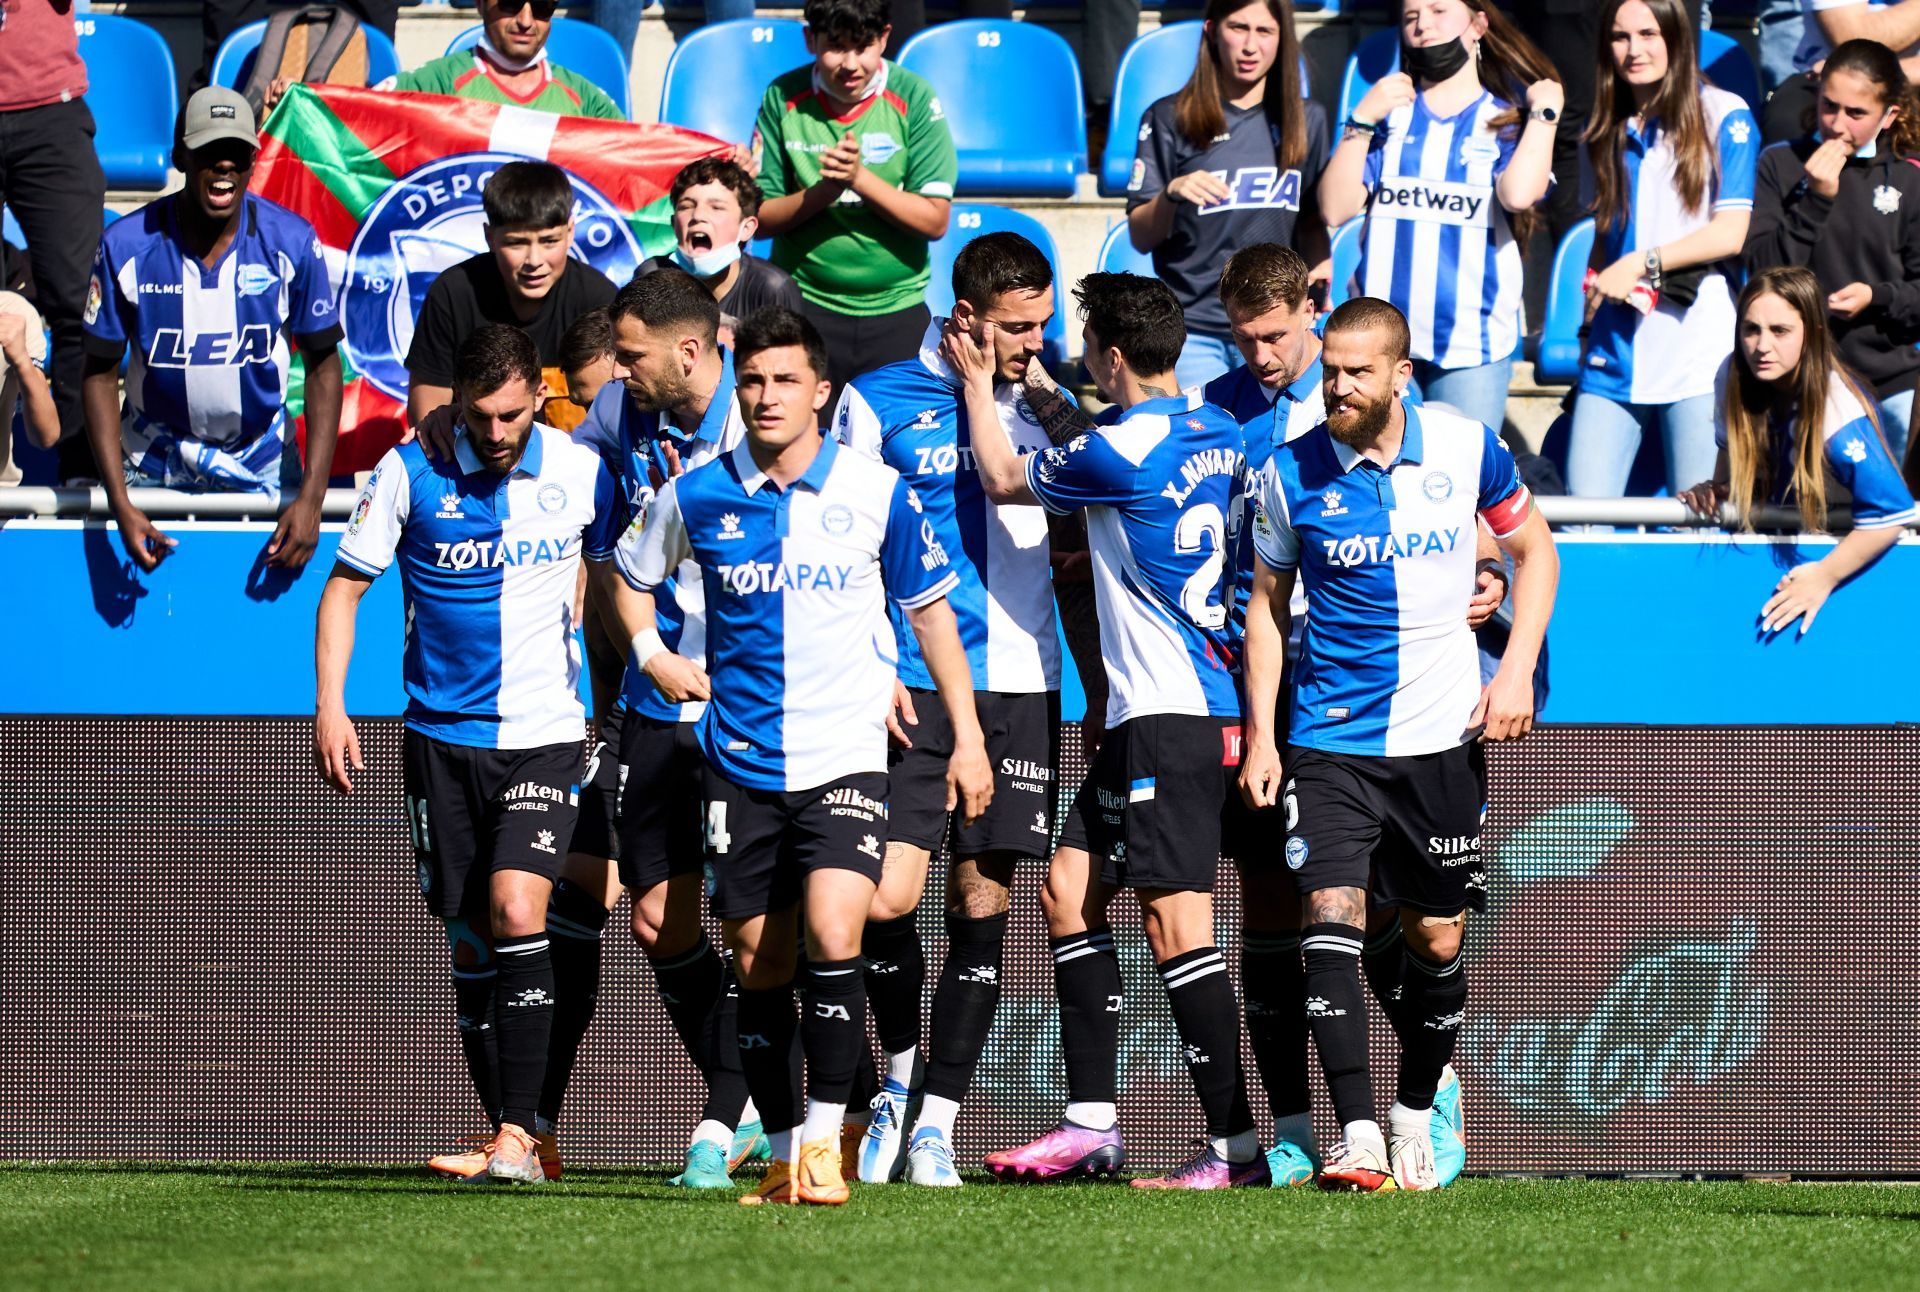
206,285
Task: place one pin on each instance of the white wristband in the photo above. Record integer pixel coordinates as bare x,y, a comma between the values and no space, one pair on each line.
645,646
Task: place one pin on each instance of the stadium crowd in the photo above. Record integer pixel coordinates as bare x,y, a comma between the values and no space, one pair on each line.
648,458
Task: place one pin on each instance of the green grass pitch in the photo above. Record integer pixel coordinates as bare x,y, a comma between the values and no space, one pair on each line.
227,1228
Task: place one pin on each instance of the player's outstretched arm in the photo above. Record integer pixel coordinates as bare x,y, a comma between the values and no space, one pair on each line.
1269,624
336,745
1003,469
1506,707
969,773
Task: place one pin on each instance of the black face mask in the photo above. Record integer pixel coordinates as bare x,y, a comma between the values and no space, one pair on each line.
1433,63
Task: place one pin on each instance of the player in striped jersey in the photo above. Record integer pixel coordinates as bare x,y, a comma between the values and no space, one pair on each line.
911,416
800,544
489,545
1444,157
1160,486
207,284
1384,786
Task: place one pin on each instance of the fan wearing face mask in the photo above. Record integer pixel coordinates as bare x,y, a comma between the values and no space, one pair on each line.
1447,158
1843,202
716,212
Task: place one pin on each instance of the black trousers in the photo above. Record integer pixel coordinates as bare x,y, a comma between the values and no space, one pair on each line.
51,177
860,344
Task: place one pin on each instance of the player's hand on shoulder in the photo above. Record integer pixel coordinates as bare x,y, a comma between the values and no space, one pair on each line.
680,679
435,432
336,749
969,779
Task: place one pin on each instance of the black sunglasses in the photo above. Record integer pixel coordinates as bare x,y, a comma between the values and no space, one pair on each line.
542,9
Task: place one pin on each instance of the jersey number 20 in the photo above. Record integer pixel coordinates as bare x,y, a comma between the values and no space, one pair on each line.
1196,596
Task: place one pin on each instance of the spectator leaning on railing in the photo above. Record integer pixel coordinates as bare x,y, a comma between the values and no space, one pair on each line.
1844,202
716,212
1673,163
858,167
1447,158
1230,161
207,284
1794,426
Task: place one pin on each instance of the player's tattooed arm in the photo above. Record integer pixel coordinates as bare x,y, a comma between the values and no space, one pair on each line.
1059,417
1338,906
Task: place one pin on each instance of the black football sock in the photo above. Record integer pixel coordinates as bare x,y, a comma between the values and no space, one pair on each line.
524,1017
1337,1013
726,1083
964,1003
1384,961
769,1040
896,972
574,920
1275,984
1204,1011
473,990
833,1028
692,984
1436,1001
1086,974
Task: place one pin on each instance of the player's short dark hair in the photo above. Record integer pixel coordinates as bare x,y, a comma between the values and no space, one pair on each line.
718,170
774,328
668,297
528,195
1371,314
493,355
996,263
848,24
1263,277
590,338
1140,317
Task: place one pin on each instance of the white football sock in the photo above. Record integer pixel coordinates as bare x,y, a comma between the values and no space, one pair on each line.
710,1131
823,1121
937,1112
1366,1134
1243,1147
1415,1122
1093,1116
903,1069
749,1114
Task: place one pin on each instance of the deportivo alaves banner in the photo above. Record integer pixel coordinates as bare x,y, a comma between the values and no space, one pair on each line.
391,183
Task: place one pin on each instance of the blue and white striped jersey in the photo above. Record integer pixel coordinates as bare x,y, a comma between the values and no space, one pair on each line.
1437,242
1161,486
1271,418
633,441
797,579
1674,352
1388,665
207,381
911,415
1856,452
488,568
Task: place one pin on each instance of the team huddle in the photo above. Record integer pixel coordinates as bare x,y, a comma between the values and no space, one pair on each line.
843,661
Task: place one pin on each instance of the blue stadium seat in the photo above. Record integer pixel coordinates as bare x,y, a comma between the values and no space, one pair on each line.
1726,64
579,47
744,55
131,89
1117,255
1154,66
234,63
1034,152
1730,67
1558,358
971,220
1346,261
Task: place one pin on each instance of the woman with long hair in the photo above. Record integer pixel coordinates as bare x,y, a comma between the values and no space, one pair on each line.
1447,159
1843,201
1228,162
1673,164
1794,426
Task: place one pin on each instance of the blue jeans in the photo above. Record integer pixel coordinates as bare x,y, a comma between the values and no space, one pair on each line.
1606,439
1205,356
1782,24
1895,412
1479,392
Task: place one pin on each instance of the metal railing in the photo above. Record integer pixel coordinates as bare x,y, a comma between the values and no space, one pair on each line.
171,504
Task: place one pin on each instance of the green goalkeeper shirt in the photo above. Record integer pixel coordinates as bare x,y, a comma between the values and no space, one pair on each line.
465,75
847,258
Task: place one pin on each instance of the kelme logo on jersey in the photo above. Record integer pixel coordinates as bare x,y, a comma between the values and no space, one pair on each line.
429,220
755,577
1372,549
478,553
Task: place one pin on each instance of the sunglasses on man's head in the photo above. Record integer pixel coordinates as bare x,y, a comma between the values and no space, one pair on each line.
542,9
